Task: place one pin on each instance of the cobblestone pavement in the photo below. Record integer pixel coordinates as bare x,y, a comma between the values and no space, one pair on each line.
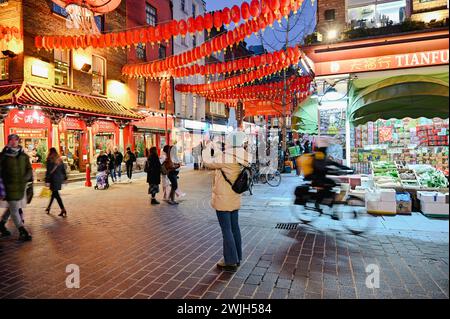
126,248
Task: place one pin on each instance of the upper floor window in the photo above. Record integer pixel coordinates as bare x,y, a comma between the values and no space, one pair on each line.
162,105
194,41
150,14
194,107
330,15
99,20
4,65
62,67
140,51
193,9
183,104
183,41
162,52
98,74
183,5
141,87
374,14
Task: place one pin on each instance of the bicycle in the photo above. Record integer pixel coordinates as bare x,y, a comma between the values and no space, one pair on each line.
264,175
311,203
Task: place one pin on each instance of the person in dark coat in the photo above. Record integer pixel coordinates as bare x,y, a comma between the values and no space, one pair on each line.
54,178
111,165
153,169
102,162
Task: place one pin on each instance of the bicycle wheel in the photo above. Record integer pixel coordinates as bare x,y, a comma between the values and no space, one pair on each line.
273,178
304,213
356,220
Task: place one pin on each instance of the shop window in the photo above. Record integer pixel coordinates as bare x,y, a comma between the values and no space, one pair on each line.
150,14
162,52
98,74
62,67
140,51
141,87
4,65
330,15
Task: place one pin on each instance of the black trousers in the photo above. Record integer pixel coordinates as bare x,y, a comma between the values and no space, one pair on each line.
129,170
55,195
173,178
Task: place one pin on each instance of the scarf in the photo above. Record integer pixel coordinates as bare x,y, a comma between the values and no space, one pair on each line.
13,152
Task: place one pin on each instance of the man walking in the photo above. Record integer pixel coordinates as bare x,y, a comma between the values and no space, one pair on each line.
130,158
15,171
118,159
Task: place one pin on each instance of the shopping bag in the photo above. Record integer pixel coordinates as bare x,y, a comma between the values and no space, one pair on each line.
45,192
29,192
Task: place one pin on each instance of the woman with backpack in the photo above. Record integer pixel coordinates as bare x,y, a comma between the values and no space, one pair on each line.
153,170
54,178
228,167
129,159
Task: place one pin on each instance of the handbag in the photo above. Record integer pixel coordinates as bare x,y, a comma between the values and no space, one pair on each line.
164,170
45,192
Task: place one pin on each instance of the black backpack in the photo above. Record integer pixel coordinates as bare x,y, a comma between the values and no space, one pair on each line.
242,183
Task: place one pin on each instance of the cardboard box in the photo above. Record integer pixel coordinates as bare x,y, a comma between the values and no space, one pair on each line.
434,209
404,208
388,207
388,195
433,197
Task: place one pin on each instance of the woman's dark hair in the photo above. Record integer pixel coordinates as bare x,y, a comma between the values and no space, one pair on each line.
166,149
153,152
52,154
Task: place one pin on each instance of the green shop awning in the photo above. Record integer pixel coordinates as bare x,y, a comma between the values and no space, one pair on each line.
399,97
305,118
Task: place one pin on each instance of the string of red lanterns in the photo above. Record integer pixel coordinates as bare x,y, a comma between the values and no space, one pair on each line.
174,28
9,33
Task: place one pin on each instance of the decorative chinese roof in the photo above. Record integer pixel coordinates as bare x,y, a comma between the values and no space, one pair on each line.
7,92
57,99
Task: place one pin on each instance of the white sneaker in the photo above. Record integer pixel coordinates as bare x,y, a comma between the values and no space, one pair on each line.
181,194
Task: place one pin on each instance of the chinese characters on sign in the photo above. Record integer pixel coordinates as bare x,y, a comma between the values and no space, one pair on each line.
28,118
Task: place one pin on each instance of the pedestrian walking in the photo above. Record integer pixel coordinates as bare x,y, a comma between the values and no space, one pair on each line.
118,159
177,162
225,200
129,159
54,178
153,170
111,165
15,173
171,170
165,179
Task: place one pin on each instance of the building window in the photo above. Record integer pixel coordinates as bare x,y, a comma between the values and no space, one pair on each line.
140,51
150,14
330,15
183,6
4,73
99,20
194,107
183,41
193,10
374,14
162,105
194,41
62,67
183,104
162,52
98,74
141,87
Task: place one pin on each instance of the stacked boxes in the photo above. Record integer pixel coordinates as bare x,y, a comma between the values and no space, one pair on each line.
381,202
434,204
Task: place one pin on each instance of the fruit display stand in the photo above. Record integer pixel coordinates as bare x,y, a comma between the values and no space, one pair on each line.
385,175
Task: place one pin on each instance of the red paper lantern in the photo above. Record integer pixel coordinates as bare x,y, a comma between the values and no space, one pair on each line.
255,26
230,38
209,22
174,30
254,8
122,39
191,25
270,18
265,8
274,5
245,11
167,34
236,14
208,48
284,11
37,41
226,16
158,33
151,36
182,25
217,20
200,24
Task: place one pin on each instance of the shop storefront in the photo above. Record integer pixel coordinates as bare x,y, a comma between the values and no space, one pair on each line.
105,135
192,134
151,132
72,137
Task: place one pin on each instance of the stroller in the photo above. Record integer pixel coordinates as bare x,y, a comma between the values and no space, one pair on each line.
102,180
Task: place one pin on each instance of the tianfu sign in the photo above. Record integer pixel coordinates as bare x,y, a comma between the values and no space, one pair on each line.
386,62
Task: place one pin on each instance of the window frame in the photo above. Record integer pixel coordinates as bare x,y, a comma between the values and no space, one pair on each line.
68,65
194,41
4,61
159,51
147,14
141,53
141,93
100,76
183,6
331,11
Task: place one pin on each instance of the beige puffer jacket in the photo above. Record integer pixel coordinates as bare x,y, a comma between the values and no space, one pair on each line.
223,197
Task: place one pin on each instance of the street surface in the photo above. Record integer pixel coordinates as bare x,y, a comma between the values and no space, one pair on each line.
126,248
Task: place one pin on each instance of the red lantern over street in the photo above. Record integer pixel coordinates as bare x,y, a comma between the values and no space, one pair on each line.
265,8
174,30
236,14
191,25
226,16
209,22
254,8
158,33
245,11
274,5
200,24
217,20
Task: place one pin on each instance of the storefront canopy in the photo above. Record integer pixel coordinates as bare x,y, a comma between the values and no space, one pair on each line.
399,97
7,92
305,118
51,98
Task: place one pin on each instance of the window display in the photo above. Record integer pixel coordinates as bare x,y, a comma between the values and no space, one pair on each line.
373,14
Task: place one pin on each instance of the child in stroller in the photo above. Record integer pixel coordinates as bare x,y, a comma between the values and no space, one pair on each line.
102,171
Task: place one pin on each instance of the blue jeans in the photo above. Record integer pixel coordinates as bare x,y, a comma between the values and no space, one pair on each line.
232,243
117,170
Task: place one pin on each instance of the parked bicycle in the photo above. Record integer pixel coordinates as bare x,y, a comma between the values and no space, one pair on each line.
264,175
